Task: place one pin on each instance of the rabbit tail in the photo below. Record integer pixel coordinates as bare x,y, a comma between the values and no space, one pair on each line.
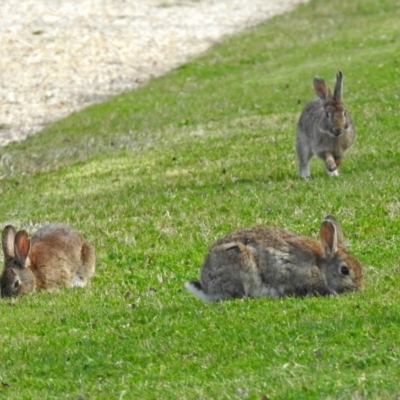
197,290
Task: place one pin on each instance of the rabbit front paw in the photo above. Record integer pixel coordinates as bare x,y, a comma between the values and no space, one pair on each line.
335,172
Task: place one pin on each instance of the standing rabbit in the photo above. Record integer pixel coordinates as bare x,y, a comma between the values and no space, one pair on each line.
325,128
57,255
268,261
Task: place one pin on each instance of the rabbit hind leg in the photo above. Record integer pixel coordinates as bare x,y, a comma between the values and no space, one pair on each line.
230,271
86,267
304,154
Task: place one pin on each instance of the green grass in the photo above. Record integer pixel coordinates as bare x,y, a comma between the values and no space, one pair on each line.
153,177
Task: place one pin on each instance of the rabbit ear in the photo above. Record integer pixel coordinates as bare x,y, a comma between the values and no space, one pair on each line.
339,231
329,237
7,241
22,246
337,94
321,89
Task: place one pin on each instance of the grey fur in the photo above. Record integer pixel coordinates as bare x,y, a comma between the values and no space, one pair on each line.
325,128
269,261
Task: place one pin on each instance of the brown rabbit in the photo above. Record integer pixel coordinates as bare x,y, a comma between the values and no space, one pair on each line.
57,255
325,129
268,261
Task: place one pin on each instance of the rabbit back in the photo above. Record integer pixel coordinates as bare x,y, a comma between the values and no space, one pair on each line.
60,256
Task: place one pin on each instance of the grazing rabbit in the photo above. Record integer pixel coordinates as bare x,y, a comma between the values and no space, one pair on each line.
325,129
57,255
268,261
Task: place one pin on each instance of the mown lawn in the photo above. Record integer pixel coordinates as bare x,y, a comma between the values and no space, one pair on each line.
153,177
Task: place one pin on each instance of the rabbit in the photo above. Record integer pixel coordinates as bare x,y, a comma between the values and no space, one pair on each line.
269,261
325,129
55,256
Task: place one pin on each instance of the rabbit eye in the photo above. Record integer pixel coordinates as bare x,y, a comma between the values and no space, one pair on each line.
344,269
16,284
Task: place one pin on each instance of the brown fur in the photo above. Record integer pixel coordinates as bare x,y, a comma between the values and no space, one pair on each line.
269,261
57,255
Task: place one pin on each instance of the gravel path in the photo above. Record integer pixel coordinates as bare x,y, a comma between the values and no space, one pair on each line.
57,56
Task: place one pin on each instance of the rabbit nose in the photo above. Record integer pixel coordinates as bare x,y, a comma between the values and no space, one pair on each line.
337,131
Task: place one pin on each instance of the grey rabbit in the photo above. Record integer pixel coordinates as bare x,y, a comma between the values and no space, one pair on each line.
325,128
270,261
